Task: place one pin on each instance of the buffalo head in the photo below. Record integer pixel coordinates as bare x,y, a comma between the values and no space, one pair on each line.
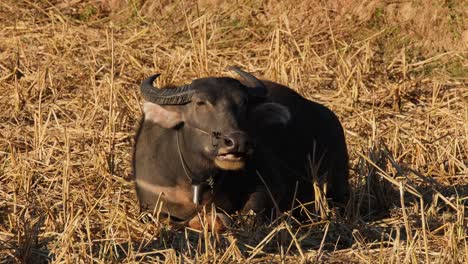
214,117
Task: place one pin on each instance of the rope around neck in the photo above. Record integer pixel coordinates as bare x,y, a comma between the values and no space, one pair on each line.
187,170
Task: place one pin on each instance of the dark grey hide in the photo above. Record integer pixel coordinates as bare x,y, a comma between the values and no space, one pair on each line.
207,143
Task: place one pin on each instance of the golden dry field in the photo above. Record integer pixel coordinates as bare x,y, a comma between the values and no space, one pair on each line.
395,73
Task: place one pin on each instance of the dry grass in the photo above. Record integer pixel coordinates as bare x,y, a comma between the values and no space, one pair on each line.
69,104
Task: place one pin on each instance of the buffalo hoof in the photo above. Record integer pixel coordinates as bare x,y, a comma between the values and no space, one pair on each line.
219,224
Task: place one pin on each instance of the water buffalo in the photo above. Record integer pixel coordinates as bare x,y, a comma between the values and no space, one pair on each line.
234,144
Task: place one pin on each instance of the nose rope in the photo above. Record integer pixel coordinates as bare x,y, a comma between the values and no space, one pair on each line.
215,137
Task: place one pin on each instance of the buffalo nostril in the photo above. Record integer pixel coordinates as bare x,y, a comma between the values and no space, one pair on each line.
229,142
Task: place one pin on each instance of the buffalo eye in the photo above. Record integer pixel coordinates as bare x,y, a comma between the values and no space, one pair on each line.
200,103
243,102
242,106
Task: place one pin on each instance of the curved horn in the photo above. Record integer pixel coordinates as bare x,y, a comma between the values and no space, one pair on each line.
165,96
260,89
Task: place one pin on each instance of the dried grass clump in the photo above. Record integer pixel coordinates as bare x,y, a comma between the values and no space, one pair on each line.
69,104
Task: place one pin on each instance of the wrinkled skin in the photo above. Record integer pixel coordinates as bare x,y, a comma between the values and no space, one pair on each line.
272,137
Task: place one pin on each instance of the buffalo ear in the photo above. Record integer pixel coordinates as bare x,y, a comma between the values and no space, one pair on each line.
161,116
270,114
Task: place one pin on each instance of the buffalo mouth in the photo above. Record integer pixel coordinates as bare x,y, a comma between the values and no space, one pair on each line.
230,161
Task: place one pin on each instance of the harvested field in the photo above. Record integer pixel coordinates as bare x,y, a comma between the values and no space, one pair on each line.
395,73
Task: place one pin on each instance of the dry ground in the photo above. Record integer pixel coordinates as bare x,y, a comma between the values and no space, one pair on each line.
395,73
